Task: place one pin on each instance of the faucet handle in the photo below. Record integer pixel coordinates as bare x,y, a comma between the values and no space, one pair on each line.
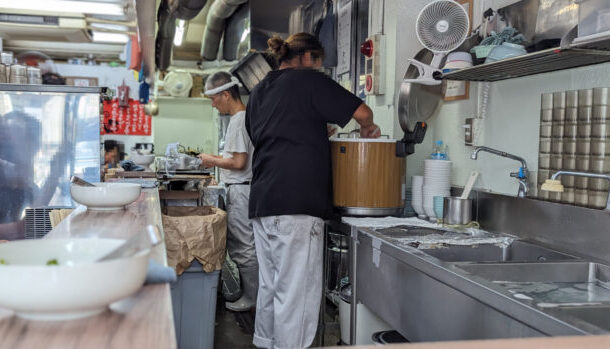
521,174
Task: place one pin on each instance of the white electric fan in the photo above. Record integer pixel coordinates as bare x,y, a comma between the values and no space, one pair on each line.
178,83
441,27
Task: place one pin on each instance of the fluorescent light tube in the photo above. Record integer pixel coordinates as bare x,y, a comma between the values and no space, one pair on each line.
110,37
67,6
180,31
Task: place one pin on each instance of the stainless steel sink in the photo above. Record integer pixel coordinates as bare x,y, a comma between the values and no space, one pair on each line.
574,272
405,231
516,251
597,316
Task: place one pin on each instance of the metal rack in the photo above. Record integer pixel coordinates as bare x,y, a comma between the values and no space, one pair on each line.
575,55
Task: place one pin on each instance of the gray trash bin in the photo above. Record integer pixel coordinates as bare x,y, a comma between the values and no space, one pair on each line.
194,302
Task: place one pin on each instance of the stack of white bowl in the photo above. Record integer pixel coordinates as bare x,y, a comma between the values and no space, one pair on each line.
417,196
437,182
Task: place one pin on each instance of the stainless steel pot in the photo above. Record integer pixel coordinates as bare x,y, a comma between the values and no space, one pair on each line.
457,210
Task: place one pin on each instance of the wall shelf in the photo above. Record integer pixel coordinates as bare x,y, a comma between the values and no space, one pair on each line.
576,55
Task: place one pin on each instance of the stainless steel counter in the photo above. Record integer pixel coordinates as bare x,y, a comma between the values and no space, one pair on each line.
465,295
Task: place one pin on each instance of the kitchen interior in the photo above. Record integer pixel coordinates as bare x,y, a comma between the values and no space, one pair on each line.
478,219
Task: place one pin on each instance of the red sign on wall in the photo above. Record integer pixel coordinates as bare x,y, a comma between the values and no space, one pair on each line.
129,120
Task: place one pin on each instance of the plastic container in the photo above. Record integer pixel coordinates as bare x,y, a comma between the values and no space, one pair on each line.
439,151
593,17
194,304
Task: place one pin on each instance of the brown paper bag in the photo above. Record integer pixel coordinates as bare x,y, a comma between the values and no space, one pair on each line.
195,232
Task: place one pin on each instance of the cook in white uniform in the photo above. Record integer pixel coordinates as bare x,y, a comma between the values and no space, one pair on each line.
236,172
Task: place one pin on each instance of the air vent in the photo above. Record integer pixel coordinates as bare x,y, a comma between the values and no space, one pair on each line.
37,222
29,19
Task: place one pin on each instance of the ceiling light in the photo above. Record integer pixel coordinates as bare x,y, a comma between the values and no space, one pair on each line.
65,6
180,32
110,37
116,27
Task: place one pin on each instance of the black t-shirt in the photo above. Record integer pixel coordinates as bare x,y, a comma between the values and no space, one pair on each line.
286,119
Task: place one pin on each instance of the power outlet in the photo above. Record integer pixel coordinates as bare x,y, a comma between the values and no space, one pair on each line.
468,131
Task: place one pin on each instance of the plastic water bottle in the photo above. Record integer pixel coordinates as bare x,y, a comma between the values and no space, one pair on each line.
439,151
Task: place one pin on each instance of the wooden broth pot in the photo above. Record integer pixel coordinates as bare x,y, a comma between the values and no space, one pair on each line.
368,177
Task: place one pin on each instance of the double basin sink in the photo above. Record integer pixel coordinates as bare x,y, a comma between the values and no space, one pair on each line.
559,284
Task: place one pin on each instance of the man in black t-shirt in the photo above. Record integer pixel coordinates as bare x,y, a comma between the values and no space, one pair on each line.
286,118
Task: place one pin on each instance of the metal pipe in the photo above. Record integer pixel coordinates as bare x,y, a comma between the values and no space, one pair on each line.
219,12
504,154
521,175
585,174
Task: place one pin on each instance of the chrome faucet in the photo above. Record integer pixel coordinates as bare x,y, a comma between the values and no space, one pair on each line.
557,185
521,174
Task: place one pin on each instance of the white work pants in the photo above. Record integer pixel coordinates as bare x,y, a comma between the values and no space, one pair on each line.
289,251
240,239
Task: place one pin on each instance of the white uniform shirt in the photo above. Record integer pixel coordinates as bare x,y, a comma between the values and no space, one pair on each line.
237,141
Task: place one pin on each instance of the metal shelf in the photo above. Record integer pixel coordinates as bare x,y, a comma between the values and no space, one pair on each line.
545,61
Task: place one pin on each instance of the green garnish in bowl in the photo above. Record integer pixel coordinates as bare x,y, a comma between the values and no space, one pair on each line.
53,262
2,261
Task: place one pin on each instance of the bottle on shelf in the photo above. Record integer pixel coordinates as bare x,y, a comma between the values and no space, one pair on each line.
439,151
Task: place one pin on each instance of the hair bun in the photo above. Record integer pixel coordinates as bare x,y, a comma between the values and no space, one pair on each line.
277,47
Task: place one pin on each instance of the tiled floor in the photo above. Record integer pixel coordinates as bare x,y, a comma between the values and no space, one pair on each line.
234,330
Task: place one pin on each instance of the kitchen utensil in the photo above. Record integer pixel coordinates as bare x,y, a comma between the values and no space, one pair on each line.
599,164
557,129
504,51
546,129
597,199
546,115
106,196
581,197
471,180
79,181
417,102
140,241
545,145
556,145
368,177
569,146
544,161
441,27
556,161
567,197
457,211
600,129
76,286
546,101
585,114
583,130
438,205
585,97
572,99
600,113
559,114
572,114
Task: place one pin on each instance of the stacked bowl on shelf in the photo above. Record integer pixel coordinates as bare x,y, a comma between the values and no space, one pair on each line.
417,196
437,182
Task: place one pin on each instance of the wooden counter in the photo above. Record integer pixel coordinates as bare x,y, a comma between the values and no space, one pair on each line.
144,320
588,342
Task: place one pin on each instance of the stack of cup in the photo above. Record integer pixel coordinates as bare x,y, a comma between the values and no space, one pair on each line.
34,76
437,182
18,74
417,196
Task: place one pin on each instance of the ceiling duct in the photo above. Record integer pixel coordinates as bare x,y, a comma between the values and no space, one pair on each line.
219,12
189,9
